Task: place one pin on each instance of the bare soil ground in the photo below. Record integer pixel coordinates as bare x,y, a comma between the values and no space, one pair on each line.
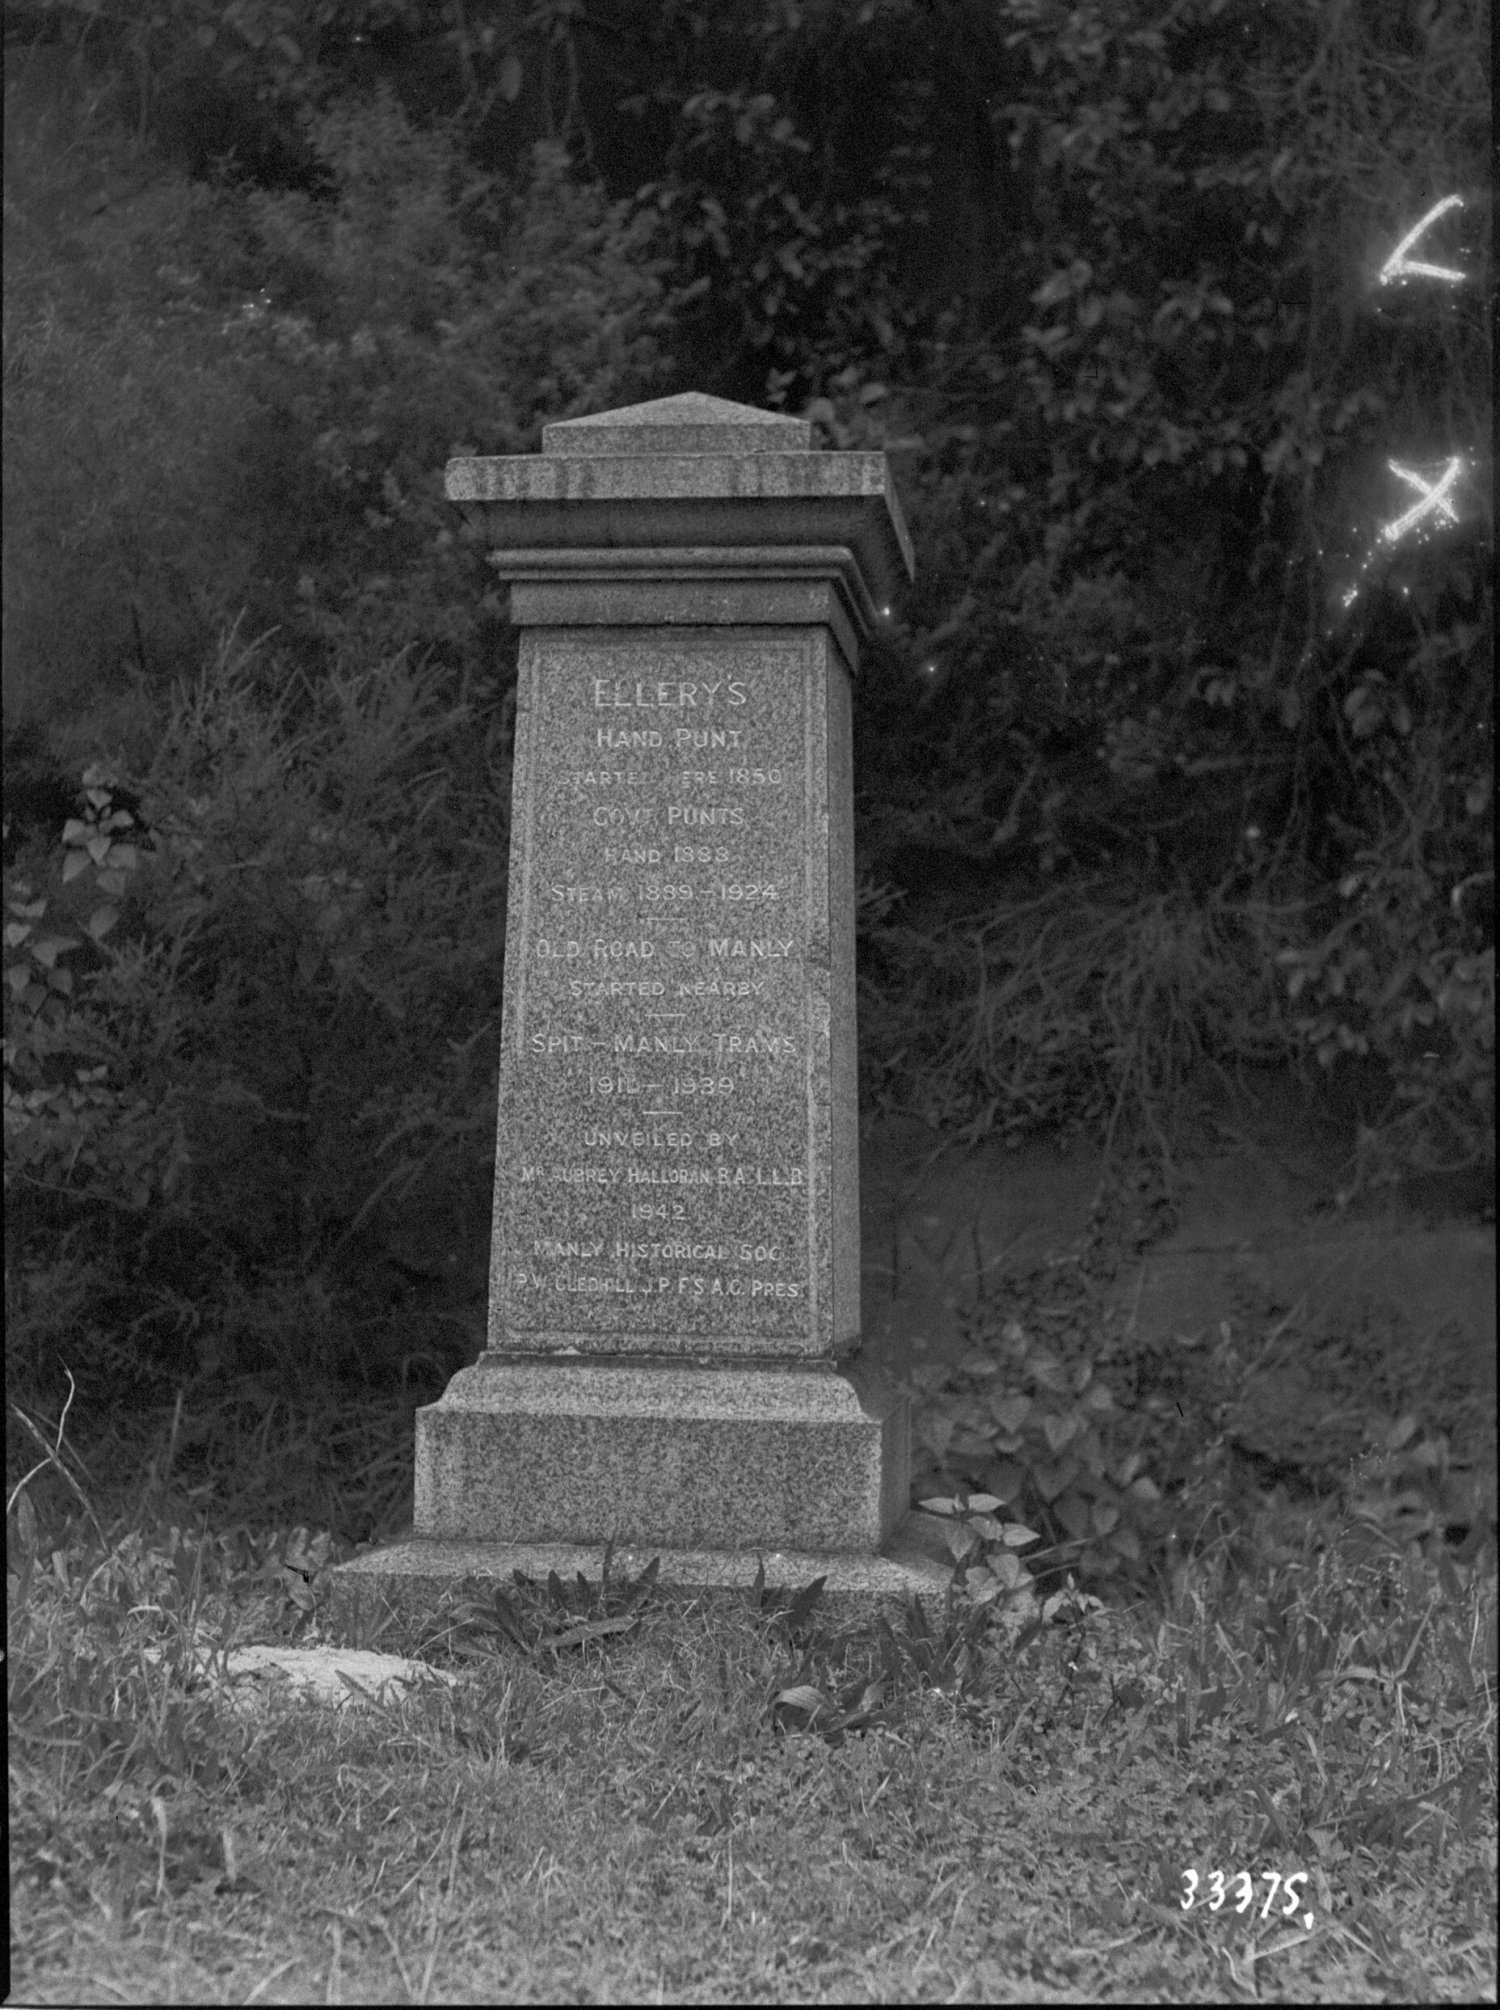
1372,1306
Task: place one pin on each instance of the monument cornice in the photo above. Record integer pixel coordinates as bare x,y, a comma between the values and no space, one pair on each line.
729,585
693,471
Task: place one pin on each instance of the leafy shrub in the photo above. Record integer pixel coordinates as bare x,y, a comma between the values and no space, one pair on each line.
121,409
93,1101
990,1568
1411,1485
786,281
53,1128
420,309
1072,1006
166,1074
278,983
1087,691
1405,968
262,420
1046,1441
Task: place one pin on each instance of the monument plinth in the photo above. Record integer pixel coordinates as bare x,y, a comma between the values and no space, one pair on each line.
672,1353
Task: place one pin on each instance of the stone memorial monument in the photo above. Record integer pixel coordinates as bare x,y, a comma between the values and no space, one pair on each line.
672,1360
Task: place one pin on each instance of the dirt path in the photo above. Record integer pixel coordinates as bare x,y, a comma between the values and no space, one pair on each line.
1394,1294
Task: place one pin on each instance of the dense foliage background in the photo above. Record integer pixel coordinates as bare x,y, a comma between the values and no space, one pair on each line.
1139,785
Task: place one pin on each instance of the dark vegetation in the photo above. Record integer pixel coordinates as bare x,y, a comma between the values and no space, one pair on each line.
1138,793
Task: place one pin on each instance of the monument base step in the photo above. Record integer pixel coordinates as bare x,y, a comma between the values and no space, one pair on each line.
413,1577
681,1454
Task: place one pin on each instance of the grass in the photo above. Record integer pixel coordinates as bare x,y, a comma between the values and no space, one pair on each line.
741,1805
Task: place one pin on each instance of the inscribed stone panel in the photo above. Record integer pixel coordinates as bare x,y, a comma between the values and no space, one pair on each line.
664,1097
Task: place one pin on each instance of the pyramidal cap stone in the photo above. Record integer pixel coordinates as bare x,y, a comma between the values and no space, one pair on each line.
673,1359
691,423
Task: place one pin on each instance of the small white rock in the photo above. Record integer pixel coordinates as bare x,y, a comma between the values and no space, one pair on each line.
317,1674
